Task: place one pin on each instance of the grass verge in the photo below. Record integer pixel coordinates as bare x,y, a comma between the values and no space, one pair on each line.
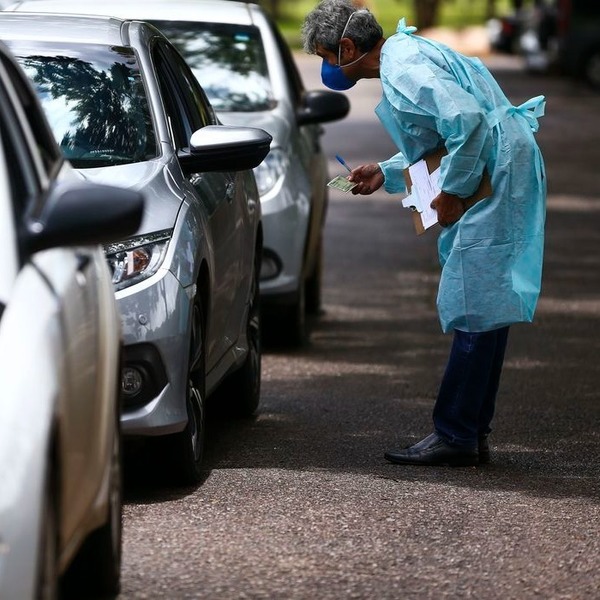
454,14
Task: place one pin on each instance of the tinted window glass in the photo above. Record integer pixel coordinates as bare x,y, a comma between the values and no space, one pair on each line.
44,140
22,177
176,109
228,61
16,179
94,99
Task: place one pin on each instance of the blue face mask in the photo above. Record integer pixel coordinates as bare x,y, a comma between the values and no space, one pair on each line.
333,76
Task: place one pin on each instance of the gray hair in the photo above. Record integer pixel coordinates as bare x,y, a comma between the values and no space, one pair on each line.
325,24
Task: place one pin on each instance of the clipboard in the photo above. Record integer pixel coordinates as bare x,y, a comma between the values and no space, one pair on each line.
432,161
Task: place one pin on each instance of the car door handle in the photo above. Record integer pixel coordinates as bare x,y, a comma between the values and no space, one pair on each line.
83,260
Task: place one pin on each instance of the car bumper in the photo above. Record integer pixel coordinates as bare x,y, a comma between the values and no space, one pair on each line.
285,220
155,317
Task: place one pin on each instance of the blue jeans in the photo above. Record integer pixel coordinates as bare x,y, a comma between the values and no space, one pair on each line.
467,397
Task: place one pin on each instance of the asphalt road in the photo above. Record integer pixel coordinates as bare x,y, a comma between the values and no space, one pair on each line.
299,502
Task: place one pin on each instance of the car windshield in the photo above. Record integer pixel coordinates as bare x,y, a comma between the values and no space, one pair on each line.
228,60
94,99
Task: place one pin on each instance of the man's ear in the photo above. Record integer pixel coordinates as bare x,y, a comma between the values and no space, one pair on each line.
348,50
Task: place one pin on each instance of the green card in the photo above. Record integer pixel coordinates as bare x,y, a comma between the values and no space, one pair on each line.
341,183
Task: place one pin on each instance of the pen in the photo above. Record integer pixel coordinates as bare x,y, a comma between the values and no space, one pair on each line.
343,162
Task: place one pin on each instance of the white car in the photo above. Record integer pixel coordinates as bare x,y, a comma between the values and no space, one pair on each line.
250,77
60,479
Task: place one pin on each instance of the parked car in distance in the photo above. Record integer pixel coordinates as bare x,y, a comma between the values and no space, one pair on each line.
504,32
539,37
127,109
250,77
578,25
563,36
60,342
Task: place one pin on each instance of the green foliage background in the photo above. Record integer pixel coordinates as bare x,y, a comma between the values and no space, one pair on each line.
453,13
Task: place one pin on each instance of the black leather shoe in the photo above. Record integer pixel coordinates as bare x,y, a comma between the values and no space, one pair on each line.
484,450
433,450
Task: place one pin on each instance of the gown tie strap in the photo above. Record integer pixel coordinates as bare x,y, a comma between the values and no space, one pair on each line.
531,110
404,28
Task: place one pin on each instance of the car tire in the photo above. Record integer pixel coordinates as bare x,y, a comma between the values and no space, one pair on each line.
313,290
47,582
295,319
241,391
96,571
285,324
186,449
591,70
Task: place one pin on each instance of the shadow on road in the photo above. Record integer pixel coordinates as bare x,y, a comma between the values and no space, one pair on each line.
368,378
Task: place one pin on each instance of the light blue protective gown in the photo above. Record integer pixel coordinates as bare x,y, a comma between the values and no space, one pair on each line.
492,257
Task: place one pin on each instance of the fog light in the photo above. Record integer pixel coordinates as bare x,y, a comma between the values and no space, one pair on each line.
131,381
270,265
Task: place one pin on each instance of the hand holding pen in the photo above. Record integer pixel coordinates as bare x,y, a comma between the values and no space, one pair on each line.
368,178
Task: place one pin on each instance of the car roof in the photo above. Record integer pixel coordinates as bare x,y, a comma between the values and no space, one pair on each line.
61,28
220,11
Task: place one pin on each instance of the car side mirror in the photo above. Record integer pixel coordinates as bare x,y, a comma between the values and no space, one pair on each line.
84,214
321,106
224,148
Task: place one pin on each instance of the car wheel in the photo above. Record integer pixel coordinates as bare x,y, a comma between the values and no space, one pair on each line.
187,448
294,320
314,284
285,324
97,568
47,583
241,391
592,70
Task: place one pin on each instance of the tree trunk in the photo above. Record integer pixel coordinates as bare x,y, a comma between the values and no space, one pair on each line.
272,7
426,13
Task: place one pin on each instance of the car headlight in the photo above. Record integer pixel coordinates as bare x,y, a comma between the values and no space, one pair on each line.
138,258
271,170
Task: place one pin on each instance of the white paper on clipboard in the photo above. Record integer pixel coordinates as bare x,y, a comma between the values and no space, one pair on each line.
423,190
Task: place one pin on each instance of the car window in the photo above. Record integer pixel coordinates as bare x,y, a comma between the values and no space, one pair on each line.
44,140
23,180
19,183
293,76
187,107
94,99
228,60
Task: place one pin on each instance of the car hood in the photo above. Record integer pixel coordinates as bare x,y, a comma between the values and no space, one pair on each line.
272,122
154,179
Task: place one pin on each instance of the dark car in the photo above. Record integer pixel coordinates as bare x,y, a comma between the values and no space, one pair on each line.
563,36
579,39
504,32
538,41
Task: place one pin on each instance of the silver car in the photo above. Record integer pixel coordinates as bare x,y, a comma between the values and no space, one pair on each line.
250,77
60,477
126,109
